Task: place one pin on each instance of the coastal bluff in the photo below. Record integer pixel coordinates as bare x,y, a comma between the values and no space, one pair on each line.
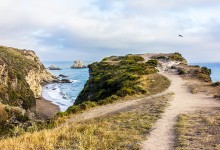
22,74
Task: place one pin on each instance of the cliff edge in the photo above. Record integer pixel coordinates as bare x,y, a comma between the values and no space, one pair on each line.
22,74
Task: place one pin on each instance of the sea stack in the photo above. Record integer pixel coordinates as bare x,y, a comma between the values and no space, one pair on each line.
78,64
54,68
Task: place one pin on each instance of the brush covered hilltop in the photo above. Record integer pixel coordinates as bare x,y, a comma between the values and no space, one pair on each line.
143,101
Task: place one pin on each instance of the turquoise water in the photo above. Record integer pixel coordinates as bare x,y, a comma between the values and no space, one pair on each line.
64,94
215,67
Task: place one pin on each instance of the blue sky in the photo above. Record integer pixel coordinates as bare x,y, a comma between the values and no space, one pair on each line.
93,29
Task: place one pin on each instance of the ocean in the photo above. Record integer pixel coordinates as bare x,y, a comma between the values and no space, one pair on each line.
64,94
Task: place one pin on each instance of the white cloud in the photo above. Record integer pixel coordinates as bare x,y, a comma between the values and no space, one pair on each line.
94,28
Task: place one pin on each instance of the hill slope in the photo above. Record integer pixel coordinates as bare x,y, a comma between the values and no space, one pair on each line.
21,76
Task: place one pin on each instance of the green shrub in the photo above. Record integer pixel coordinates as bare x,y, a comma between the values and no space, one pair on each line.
197,66
176,57
217,96
203,74
104,59
181,71
73,109
22,118
135,58
78,108
206,70
216,84
62,114
160,57
152,62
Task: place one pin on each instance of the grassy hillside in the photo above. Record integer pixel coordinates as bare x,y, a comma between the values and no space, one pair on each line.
119,130
17,100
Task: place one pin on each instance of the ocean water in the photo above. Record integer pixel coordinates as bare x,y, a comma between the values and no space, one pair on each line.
215,67
64,94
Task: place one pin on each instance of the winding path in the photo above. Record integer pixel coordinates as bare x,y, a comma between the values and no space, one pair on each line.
162,136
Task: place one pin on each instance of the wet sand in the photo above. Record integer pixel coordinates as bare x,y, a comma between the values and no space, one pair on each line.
46,109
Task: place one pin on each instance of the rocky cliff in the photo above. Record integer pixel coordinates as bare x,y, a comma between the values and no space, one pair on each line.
21,76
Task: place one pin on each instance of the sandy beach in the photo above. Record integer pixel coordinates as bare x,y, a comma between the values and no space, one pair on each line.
46,109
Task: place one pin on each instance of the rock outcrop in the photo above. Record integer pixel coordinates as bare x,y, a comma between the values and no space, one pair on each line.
63,76
78,64
65,81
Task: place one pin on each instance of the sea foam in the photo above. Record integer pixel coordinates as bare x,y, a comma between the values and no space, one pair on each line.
53,93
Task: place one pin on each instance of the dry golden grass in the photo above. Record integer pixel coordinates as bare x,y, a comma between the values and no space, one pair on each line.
199,130
122,130
154,83
3,117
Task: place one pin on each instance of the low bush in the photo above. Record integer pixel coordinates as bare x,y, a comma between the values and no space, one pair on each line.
152,62
203,74
217,96
3,116
206,71
176,57
216,84
160,57
78,108
181,71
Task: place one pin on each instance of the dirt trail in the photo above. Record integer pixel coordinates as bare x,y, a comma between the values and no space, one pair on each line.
108,109
162,136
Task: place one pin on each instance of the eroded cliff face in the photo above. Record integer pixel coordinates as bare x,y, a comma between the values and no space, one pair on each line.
21,76
35,78
38,75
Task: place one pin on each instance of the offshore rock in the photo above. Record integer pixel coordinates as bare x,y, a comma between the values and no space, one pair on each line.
63,76
78,64
54,68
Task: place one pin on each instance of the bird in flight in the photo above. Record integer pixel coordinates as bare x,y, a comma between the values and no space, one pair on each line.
180,36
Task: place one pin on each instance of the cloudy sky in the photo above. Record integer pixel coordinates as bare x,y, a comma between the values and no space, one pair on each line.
93,29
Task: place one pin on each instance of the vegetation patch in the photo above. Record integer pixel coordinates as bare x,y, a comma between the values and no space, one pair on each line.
181,71
176,57
16,92
203,74
122,130
217,96
170,57
194,72
198,130
116,80
216,84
